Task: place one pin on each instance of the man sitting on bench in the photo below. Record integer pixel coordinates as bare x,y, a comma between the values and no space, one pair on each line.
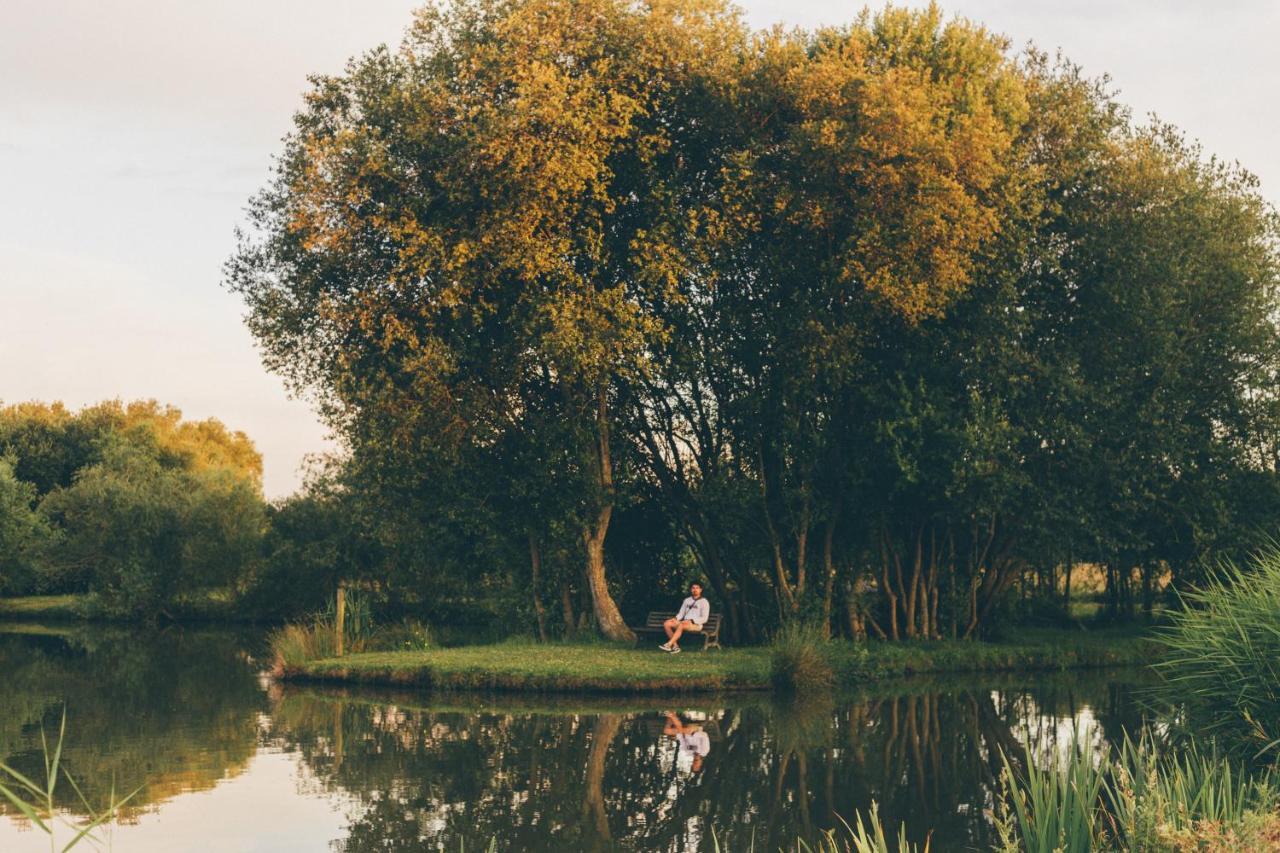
692,616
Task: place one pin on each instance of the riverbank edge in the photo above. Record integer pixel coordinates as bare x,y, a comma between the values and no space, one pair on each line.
83,608
600,668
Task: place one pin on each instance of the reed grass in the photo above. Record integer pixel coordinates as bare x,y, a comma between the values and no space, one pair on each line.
858,837
297,643
1223,660
1050,809
1138,799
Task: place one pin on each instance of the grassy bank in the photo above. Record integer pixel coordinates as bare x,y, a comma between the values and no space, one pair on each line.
208,606
612,669
52,608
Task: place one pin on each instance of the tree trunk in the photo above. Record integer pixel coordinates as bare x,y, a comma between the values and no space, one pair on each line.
888,589
535,568
603,733
340,620
566,602
911,593
606,610
829,567
787,598
1066,594
1148,590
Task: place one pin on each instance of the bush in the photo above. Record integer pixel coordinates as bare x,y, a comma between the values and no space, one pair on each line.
800,657
1223,664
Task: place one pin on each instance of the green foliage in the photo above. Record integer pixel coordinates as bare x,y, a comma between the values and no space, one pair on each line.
144,531
869,838
1145,798
25,535
408,635
856,838
1224,660
52,444
1154,795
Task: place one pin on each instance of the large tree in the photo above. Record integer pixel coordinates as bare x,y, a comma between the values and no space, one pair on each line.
468,232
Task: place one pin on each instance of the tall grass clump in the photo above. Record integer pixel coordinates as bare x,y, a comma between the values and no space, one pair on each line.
298,642
316,638
800,657
1223,664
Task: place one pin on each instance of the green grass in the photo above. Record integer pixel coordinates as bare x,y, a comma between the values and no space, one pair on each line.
205,606
52,607
1038,649
607,668
522,666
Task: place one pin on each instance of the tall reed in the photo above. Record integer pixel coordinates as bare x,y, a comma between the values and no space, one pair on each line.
1223,664
1136,800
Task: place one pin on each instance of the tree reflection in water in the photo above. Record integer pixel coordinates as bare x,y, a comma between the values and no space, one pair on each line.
599,775
170,712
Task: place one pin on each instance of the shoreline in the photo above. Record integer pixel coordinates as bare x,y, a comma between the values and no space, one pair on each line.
561,668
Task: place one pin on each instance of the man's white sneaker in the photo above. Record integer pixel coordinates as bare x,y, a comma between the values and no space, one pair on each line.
666,647
675,650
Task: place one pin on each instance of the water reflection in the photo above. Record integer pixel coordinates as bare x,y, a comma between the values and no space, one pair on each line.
605,775
168,713
185,711
692,742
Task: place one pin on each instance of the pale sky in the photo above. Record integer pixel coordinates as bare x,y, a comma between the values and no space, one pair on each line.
132,132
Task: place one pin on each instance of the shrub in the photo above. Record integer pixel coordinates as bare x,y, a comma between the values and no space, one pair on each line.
1223,664
800,657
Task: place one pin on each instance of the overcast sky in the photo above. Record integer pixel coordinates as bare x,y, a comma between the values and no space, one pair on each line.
133,131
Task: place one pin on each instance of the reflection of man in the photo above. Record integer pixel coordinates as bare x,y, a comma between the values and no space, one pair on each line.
690,738
692,616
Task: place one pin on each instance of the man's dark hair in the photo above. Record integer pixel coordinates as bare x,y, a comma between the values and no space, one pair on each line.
698,584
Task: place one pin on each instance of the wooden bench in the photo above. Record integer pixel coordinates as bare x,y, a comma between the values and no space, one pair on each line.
710,632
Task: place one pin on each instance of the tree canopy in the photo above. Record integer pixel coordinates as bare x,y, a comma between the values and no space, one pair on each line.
867,321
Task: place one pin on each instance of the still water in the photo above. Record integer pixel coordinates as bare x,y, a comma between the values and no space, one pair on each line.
228,761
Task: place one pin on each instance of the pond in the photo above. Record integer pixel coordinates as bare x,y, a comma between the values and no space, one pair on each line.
227,760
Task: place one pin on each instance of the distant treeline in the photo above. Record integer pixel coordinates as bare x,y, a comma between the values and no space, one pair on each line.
127,501
868,325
